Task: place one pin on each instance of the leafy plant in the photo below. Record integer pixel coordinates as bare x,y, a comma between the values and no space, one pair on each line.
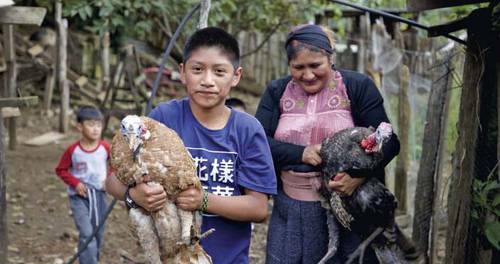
486,209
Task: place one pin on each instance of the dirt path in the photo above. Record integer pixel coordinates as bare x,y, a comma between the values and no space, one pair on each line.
40,226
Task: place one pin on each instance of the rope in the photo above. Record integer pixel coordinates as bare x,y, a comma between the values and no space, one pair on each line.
166,54
94,232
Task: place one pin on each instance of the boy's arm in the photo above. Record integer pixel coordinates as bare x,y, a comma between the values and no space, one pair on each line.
252,206
151,198
62,169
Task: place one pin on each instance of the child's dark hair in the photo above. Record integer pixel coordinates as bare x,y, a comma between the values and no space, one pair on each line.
88,113
235,102
213,37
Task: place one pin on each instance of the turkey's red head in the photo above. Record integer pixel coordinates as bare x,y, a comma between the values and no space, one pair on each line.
375,141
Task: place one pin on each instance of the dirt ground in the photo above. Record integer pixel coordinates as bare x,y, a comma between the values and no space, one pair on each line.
40,226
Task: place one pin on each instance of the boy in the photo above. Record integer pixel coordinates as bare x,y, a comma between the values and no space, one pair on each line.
229,148
84,167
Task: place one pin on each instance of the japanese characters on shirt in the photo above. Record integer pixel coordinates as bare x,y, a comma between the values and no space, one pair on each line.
216,170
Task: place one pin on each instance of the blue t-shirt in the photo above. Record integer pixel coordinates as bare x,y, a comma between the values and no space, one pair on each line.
227,160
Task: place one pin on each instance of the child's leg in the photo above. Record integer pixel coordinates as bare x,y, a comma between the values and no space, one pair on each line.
81,215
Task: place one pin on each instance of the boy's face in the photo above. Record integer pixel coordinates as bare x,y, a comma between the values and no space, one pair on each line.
208,76
90,129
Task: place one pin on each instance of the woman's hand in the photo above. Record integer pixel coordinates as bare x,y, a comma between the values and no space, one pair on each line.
150,197
345,185
311,155
190,199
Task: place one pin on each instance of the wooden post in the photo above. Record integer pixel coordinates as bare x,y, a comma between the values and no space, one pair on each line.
61,66
3,202
105,60
361,30
459,201
400,181
401,174
10,77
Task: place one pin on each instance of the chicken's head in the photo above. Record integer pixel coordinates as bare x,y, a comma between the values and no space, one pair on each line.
375,141
134,130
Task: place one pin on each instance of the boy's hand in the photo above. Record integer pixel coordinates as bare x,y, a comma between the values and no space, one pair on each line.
150,197
311,155
190,199
81,189
345,185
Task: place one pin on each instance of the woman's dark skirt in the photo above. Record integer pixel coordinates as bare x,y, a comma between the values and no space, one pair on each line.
298,234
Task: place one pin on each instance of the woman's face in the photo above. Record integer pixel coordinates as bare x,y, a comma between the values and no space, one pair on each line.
311,70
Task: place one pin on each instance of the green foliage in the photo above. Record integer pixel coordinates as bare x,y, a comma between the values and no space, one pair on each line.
486,209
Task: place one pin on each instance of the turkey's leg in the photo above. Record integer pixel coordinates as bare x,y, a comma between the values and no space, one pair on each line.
333,237
360,251
143,227
187,219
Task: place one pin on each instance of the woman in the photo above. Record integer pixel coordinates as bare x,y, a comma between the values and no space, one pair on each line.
297,113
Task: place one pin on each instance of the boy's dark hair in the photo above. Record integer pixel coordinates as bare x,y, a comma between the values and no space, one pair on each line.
213,37
88,113
235,102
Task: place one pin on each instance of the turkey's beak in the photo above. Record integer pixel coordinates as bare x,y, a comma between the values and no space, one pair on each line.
131,141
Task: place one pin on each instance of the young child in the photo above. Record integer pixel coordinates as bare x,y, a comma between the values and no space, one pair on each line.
236,104
229,148
84,167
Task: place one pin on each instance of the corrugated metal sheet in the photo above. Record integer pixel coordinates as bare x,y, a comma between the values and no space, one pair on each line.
419,5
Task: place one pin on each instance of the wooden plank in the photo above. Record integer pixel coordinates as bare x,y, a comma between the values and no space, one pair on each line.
49,90
8,112
35,50
22,15
18,101
45,139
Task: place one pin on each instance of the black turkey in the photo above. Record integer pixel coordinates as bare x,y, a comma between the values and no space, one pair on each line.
369,211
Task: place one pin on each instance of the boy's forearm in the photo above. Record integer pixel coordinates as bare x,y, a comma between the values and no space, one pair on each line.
115,187
249,207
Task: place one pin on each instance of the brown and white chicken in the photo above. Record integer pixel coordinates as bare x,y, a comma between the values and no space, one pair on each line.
145,150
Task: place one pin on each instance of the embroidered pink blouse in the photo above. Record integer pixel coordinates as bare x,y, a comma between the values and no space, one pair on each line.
307,119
